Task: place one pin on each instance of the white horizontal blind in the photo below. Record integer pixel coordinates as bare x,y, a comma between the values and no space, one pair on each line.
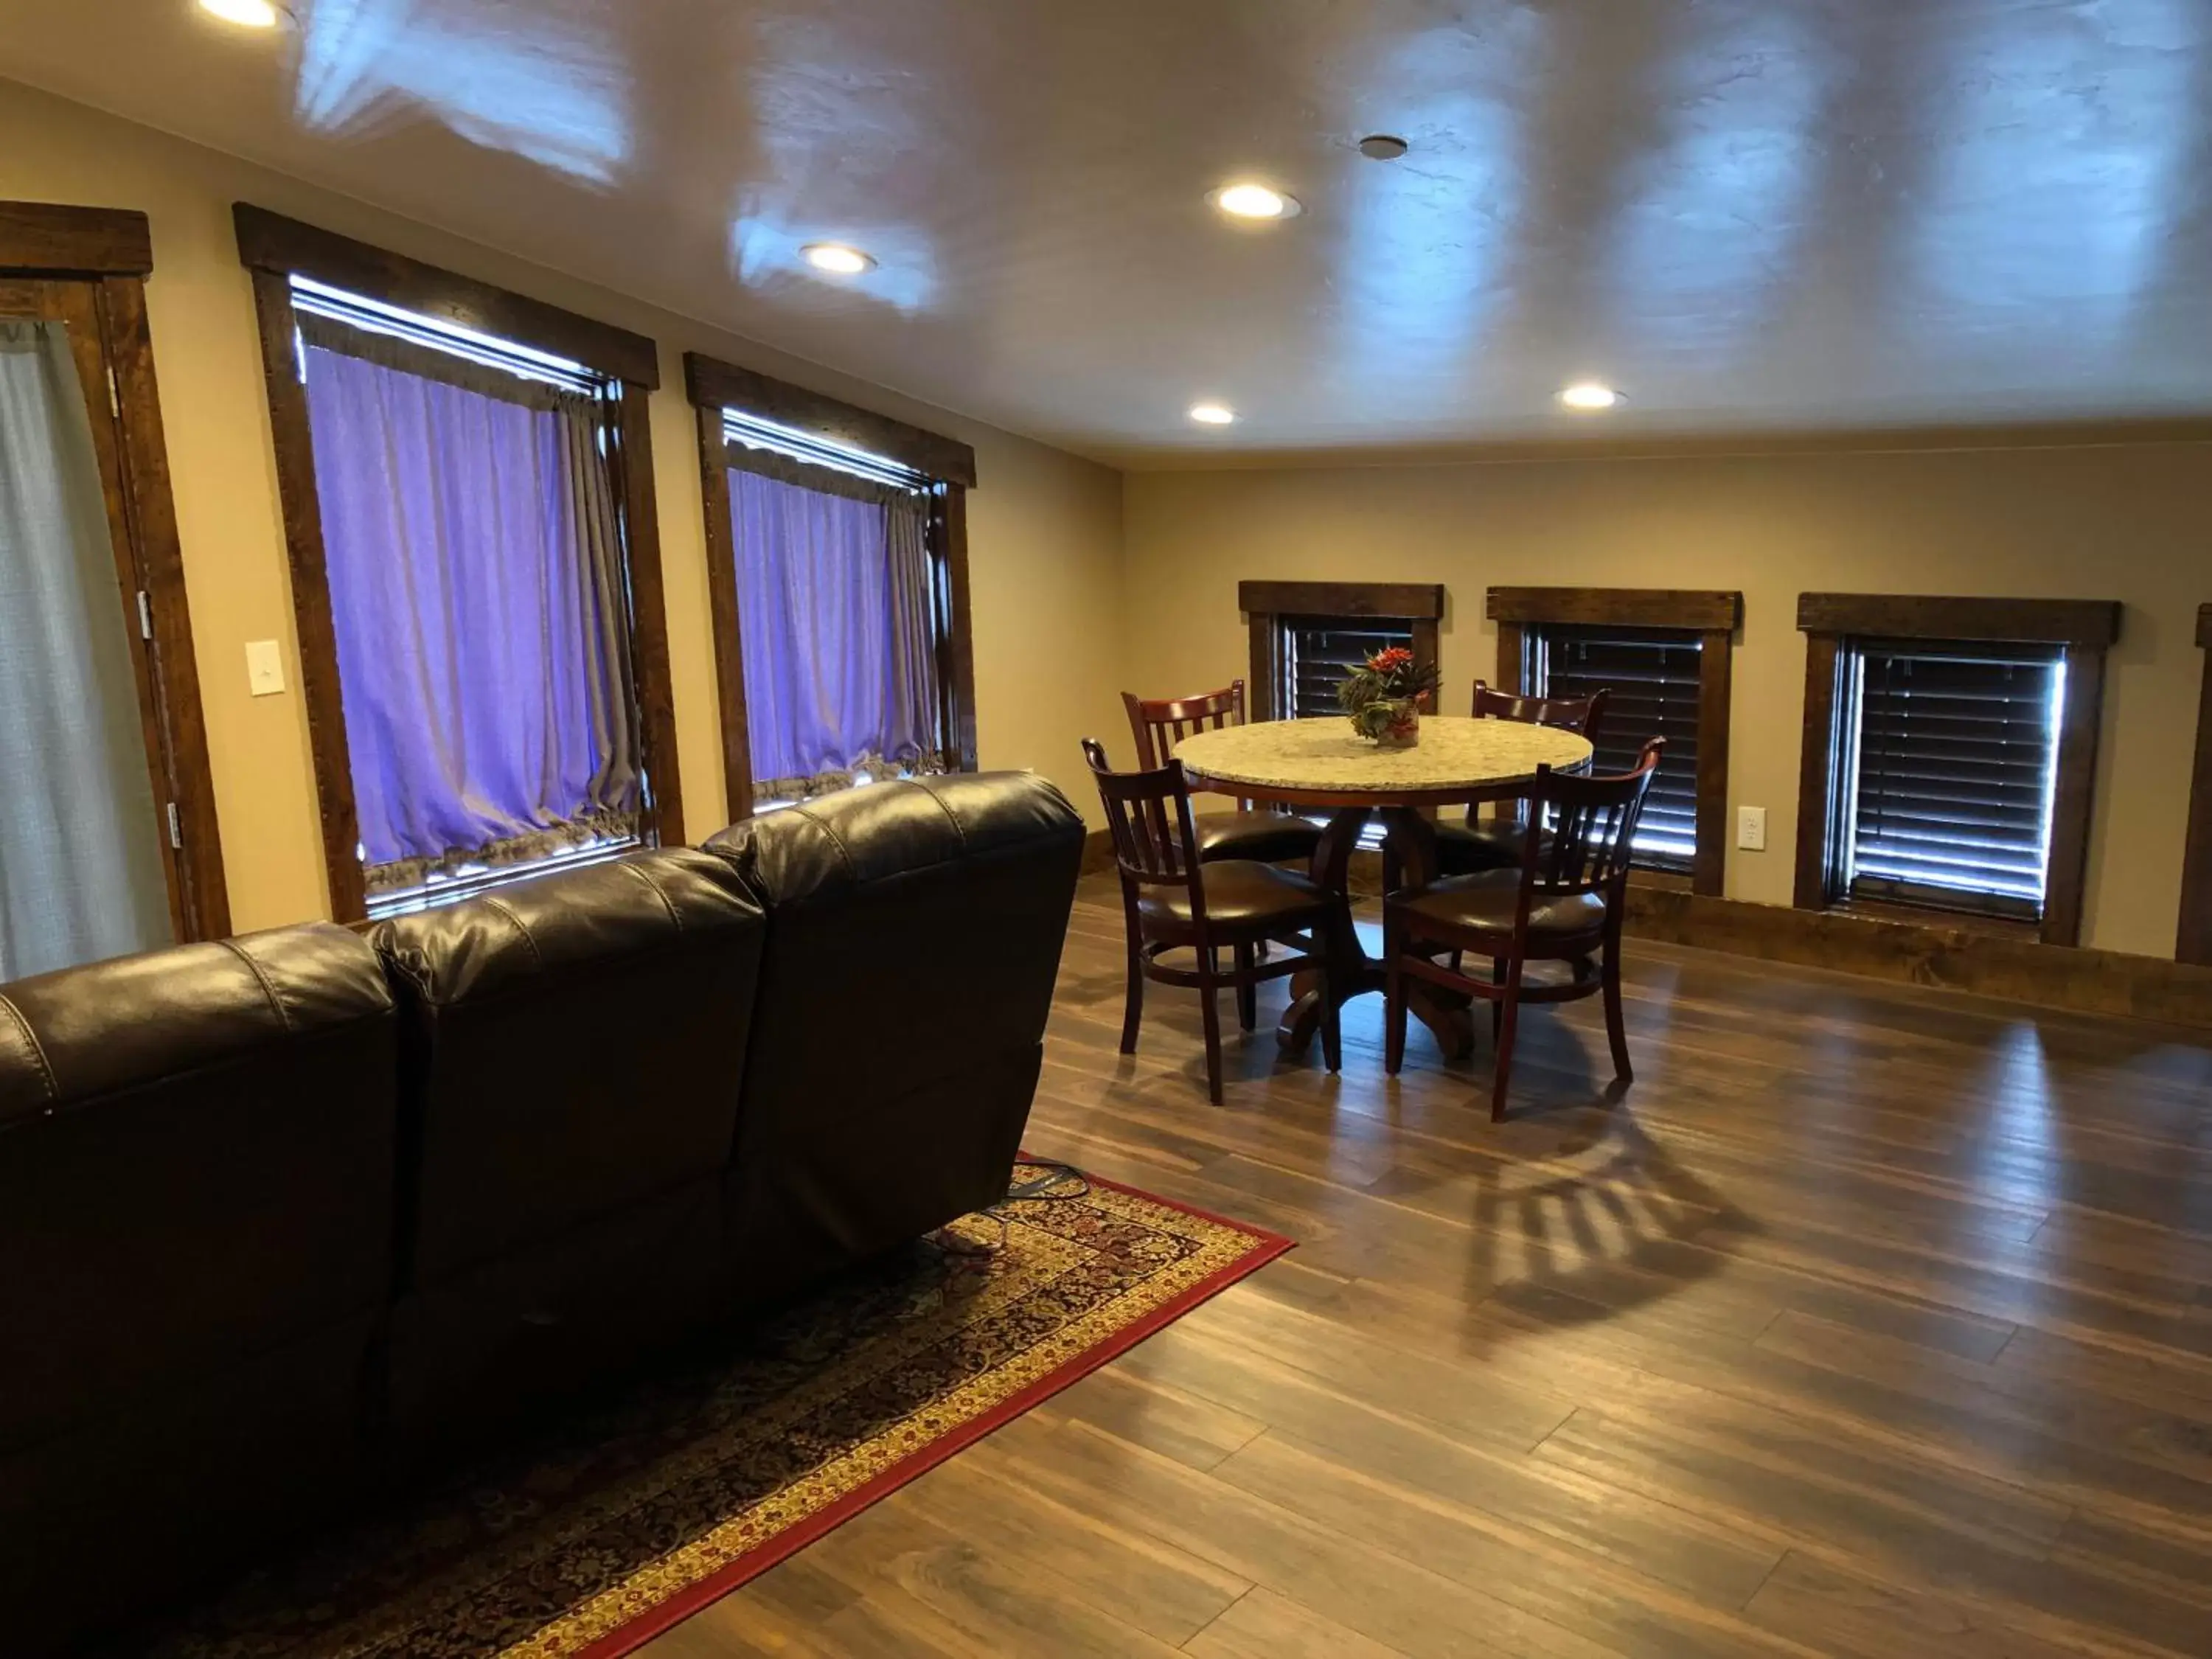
1650,677
1953,767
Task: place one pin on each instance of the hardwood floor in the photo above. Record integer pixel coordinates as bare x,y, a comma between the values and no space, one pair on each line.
1872,1322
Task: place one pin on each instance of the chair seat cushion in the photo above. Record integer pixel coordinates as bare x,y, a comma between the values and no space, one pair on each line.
1242,894
1464,848
1485,904
1258,833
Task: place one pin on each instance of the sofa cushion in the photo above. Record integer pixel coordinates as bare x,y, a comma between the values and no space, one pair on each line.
573,1045
196,1165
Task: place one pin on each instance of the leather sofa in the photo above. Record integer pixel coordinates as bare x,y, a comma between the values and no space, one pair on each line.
284,1218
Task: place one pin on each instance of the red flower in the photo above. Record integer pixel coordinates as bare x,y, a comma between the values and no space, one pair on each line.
1391,659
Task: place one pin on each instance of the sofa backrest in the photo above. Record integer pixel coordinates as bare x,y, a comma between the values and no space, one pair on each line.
915,931
571,1045
196,1163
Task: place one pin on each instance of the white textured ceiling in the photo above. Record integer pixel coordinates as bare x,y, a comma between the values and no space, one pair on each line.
1754,215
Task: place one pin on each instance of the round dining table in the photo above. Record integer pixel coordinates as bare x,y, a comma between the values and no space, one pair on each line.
1323,765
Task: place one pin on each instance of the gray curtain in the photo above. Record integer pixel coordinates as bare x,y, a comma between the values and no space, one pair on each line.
81,870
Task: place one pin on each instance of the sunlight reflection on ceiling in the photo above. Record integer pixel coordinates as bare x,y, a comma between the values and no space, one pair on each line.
1719,207
1420,270
2059,173
548,88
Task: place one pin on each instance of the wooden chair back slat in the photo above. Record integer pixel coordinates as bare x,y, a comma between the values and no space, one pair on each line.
1158,724
1582,715
1590,829
1148,815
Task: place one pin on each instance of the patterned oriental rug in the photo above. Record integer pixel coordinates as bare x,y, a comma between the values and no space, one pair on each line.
639,1509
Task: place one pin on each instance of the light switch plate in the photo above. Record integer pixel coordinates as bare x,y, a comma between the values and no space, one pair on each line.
1751,828
265,668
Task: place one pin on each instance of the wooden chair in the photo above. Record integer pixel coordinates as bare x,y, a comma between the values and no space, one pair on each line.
1565,904
1265,833
1495,843
1172,899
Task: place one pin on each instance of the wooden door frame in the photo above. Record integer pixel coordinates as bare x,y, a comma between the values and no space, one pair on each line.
110,250
712,386
2193,941
274,249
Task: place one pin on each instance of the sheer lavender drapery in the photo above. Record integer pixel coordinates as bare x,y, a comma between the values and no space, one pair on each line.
840,655
471,539
81,872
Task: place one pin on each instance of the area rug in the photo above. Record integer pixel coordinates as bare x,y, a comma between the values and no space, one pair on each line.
643,1508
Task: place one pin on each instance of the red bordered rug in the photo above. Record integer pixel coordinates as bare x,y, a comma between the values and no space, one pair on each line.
640,1510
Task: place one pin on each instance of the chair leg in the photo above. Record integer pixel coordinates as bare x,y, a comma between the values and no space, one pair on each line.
1616,1029
1247,994
1133,1012
1508,1019
1496,1005
1394,994
1210,1011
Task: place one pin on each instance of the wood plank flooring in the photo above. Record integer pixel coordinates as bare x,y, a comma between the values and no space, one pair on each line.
1871,1321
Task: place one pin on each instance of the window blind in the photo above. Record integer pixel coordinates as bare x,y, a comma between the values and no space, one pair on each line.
1951,773
1318,651
1650,677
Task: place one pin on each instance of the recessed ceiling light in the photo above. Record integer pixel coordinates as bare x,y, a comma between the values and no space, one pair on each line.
837,258
1249,200
247,14
1382,147
1589,396
1212,414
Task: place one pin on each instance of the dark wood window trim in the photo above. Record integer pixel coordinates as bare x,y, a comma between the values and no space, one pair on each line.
1265,604
2194,942
274,249
713,385
111,251
1713,614
2083,628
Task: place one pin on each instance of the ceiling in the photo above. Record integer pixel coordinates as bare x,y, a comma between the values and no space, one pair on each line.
1754,217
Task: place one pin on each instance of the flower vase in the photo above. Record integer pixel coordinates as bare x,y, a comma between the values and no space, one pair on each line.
1403,729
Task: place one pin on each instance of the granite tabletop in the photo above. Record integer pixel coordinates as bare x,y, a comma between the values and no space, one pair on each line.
1455,752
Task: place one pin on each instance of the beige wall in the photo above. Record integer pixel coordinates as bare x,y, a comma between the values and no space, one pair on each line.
2131,522
1043,525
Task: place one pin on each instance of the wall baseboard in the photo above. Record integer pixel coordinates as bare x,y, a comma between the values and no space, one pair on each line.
2075,978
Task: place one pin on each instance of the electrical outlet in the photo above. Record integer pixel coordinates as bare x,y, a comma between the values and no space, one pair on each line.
1751,828
265,668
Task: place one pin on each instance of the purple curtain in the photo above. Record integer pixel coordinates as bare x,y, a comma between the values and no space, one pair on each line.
475,585
834,595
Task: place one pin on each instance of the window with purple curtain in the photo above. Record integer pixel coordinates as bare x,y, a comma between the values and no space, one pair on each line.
835,607
479,599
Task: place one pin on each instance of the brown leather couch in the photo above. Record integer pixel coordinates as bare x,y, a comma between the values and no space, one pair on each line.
284,1214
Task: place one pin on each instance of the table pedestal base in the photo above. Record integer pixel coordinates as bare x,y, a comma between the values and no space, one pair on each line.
1409,853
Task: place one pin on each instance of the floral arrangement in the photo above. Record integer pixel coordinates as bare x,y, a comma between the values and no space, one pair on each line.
1385,695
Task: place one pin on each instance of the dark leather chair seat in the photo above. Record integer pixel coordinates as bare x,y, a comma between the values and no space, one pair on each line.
1255,832
1466,848
1485,903
1241,894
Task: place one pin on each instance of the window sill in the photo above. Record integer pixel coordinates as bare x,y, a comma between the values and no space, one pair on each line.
1929,915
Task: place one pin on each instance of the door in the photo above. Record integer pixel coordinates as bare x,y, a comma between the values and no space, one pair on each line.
88,865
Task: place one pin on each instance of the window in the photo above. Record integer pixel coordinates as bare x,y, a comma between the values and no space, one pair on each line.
1651,679
838,546
1948,758
1663,656
1950,743
107,834
1305,635
468,500
2194,941
1318,651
